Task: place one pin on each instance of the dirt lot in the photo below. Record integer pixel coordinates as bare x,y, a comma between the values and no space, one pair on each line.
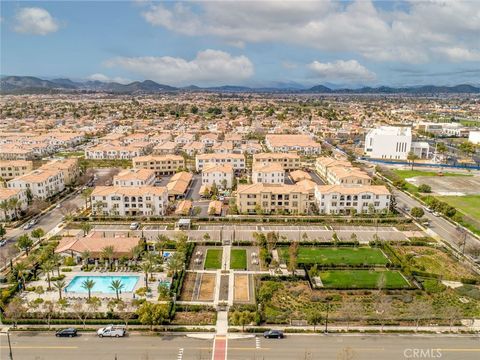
449,185
207,287
188,286
241,293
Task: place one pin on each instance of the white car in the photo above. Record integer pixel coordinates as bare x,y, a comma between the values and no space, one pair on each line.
2,242
112,331
134,226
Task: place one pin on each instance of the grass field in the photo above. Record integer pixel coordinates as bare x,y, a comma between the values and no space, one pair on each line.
213,259
406,174
238,259
338,256
362,279
468,205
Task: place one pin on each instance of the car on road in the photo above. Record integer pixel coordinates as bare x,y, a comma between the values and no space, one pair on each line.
134,226
273,334
30,224
58,206
435,213
69,332
112,331
3,242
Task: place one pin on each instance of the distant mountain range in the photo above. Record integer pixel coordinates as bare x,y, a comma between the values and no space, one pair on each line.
32,85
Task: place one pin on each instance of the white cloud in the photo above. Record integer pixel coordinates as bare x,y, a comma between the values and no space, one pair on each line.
459,54
208,67
409,35
341,70
105,78
34,20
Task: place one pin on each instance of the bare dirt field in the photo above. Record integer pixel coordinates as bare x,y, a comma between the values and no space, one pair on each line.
449,185
241,292
188,286
207,287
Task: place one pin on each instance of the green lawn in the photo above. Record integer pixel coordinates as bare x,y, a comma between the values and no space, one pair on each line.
337,256
468,205
213,259
362,279
238,259
406,174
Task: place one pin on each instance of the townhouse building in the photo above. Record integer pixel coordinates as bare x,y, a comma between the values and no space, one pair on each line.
236,160
129,200
161,164
270,173
289,161
286,143
167,147
271,198
69,168
10,169
135,177
109,151
220,174
41,183
346,199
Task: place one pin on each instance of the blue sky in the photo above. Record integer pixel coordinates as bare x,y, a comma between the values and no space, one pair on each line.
244,43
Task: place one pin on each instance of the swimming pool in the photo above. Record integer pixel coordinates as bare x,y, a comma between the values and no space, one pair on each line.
102,284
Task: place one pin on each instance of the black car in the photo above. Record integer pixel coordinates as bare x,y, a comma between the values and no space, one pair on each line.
273,334
69,332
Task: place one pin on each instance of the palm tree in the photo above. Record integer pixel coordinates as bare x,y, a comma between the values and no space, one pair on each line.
59,285
21,271
88,285
47,268
116,285
5,207
86,227
412,157
86,194
107,253
86,256
24,243
57,260
15,203
146,268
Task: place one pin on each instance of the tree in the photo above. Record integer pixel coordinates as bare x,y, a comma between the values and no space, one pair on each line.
47,267
21,272
152,314
293,256
56,261
383,308
242,318
419,311
5,207
49,308
314,318
86,227
59,285
14,310
38,233
417,212
146,267
86,195
88,285
452,314
86,256
108,253
117,286
467,148
24,243
424,188
351,310
81,311
3,232
441,147
412,157
125,311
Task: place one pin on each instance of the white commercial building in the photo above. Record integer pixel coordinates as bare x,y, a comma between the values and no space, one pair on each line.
474,137
388,142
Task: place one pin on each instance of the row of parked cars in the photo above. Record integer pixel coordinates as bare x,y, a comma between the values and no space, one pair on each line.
109,331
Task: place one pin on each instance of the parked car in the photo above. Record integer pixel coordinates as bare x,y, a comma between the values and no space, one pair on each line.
112,331
273,334
2,242
69,332
435,213
134,226
30,224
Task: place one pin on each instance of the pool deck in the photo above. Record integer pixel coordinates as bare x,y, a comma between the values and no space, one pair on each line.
69,276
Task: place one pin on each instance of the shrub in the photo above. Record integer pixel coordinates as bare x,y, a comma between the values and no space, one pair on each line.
424,188
432,286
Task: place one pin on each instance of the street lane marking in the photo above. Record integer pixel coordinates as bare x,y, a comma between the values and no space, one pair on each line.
180,354
461,350
257,342
40,347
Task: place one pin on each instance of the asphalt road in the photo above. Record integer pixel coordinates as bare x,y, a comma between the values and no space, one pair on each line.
41,346
439,225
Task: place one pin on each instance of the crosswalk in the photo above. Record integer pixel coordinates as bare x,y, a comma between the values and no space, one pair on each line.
180,354
258,345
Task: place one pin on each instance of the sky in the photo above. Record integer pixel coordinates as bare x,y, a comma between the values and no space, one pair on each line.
253,43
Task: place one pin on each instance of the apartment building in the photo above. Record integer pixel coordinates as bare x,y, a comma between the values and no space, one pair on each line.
224,147
323,163
236,160
69,168
209,139
10,169
161,164
220,174
194,148
270,173
289,161
12,196
135,177
286,143
168,147
129,200
108,151
270,198
15,152
347,176
388,142
345,199
41,183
